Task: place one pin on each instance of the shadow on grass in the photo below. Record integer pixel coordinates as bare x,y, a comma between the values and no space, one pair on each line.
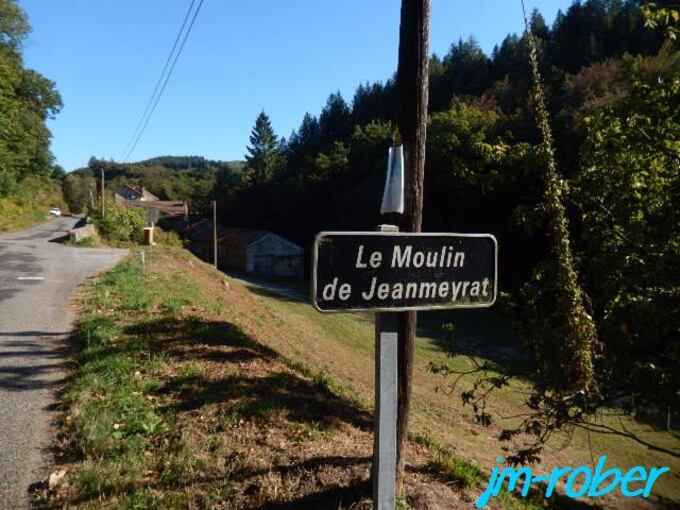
174,335
257,394
329,499
312,464
562,502
302,401
253,395
288,284
479,333
332,497
283,295
666,504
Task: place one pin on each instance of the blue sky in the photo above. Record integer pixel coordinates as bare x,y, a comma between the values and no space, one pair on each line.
241,57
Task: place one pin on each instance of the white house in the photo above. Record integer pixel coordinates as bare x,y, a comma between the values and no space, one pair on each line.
129,193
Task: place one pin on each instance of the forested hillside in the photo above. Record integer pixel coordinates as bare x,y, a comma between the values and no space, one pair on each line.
611,73
27,100
190,178
481,129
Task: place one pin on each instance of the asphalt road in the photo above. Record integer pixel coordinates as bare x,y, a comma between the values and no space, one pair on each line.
37,278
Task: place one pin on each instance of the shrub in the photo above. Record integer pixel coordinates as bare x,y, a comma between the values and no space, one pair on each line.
168,238
29,202
120,224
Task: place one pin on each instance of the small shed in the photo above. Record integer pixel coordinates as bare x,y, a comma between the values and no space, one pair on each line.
247,250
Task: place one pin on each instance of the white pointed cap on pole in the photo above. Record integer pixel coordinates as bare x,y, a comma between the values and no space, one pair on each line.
393,196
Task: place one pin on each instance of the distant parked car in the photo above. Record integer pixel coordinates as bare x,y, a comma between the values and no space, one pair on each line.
55,211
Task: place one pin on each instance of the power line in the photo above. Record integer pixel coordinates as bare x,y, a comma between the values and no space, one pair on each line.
167,77
160,79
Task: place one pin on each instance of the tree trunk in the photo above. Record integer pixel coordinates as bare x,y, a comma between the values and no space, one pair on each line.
412,93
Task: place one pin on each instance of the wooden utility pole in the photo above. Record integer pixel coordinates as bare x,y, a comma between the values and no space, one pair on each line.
412,94
214,208
103,194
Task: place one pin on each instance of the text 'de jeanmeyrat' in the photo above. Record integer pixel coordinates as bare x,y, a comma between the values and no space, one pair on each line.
402,271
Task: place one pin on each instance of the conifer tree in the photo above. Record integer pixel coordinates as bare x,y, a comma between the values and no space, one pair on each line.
264,156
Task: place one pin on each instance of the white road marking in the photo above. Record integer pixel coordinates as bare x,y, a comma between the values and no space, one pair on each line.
31,278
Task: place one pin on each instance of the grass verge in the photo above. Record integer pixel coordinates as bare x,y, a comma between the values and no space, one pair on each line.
195,391
174,404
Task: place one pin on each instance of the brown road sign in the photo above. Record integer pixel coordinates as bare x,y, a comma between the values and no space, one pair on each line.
391,271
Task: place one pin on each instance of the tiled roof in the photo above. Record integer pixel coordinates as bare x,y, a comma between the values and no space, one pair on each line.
130,187
202,231
169,208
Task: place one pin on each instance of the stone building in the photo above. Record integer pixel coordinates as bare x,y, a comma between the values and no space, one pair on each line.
246,250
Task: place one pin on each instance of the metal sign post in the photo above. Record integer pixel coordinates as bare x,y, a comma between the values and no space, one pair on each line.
385,431
151,215
385,427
